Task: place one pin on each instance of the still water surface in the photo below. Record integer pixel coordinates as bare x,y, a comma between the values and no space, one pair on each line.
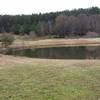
76,52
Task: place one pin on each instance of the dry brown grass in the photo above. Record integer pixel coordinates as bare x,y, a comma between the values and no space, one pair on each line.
56,43
5,59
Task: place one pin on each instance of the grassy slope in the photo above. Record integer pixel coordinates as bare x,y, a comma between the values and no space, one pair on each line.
42,79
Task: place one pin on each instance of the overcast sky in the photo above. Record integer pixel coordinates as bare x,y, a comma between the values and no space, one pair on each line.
37,6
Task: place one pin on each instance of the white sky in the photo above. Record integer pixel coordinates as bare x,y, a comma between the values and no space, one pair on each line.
37,6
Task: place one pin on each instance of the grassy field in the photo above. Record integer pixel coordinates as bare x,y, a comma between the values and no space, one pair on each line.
43,79
55,43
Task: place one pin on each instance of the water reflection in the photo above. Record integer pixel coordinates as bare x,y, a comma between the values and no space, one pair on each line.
76,52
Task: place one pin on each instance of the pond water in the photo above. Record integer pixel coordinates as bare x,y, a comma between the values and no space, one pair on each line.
76,52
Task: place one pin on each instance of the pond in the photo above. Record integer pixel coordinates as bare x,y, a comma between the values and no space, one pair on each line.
76,52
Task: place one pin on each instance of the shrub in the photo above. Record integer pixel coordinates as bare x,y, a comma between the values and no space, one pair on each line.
91,34
7,39
32,35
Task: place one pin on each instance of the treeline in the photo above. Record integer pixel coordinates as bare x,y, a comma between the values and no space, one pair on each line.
66,23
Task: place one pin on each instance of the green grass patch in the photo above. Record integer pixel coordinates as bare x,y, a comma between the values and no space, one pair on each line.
50,82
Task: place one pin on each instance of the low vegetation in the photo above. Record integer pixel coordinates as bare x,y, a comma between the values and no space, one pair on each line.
6,39
43,43
42,79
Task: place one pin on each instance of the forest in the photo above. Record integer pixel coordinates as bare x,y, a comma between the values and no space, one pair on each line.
76,22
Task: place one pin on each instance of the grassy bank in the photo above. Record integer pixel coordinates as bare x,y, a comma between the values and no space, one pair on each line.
42,79
55,43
